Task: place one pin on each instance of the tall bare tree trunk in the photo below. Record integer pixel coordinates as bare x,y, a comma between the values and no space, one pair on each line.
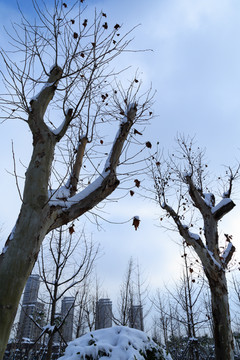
205,242
23,244
77,85
224,346
38,216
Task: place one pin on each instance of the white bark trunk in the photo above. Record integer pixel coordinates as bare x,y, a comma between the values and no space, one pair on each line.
213,264
224,346
37,217
23,244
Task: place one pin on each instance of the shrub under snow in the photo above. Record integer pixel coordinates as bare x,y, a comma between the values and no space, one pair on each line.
116,343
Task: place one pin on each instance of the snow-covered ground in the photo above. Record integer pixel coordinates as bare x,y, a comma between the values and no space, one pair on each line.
117,343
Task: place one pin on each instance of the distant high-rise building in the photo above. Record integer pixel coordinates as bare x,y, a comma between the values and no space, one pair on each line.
31,289
31,310
103,314
68,311
136,317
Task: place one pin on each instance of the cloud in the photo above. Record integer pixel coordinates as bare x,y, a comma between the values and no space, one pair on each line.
172,18
195,68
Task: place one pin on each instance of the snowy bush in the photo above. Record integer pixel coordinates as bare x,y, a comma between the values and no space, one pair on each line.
117,343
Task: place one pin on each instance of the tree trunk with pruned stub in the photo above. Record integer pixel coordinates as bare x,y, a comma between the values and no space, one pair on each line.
213,260
39,214
77,90
221,318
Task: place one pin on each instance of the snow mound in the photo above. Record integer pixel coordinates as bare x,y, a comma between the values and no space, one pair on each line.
116,343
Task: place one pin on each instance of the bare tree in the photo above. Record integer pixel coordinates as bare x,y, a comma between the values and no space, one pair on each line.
162,319
183,178
126,295
62,71
86,302
235,287
133,292
186,295
63,272
81,305
179,314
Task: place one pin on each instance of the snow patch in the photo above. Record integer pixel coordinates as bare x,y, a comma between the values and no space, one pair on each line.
214,260
49,328
88,190
59,129
194,236
193,339
116,343
52,67
12,233
26,340
222,203
129,108
226,194
186,174
227,251
34,98
209,199
61,196
191,235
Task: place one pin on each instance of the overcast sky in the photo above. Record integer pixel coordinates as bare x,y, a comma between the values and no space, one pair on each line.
195,69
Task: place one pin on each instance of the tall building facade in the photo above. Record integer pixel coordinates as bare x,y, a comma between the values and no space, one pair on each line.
136,317
31,310
67,310
103,314
31,289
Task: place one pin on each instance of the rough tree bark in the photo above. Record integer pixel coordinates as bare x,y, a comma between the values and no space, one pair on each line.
75,83
213,261
38,215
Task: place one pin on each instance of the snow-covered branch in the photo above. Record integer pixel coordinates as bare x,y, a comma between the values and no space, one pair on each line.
196,197
61,130
214,261
222,208
187,168
125,126
70,207
39,102
190,238
227,254
193,240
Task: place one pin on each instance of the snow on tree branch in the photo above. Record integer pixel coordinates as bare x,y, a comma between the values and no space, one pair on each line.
196,197
185,167
39,103
214,261
61,130
193,240
222,208
227,254
209,199
78,84
101,187
189,237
